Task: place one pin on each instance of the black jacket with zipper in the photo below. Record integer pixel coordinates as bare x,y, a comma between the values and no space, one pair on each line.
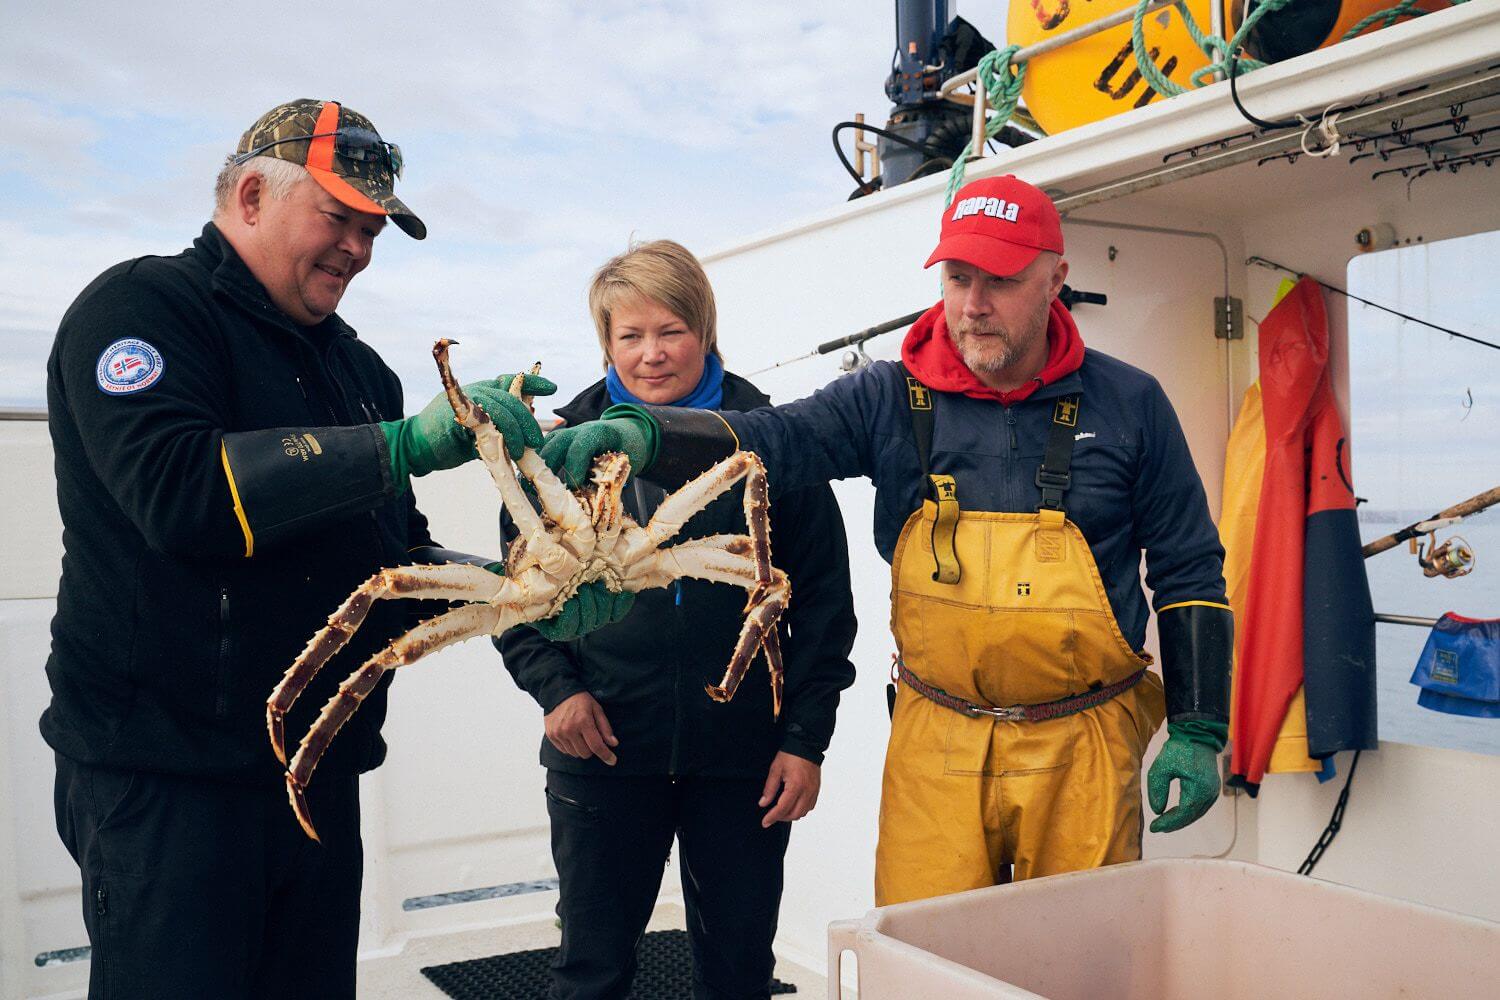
648,672
213,520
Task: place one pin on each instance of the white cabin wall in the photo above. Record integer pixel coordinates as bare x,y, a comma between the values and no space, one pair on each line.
1420,825
40,896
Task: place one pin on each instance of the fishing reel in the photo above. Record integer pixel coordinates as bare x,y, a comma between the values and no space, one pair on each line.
854,360
1450,559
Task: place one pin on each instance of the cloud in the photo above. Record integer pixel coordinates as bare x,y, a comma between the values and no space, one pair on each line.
540,137
1425,406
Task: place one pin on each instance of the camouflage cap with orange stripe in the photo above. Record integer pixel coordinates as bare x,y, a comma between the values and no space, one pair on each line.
340,149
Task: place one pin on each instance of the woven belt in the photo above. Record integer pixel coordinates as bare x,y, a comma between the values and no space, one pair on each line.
1070,705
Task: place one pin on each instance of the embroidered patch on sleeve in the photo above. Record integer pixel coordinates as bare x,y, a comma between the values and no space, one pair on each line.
128,365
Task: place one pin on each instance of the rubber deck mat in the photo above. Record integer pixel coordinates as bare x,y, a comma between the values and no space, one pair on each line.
664,972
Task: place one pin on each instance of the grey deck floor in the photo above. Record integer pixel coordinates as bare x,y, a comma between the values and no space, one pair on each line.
399,976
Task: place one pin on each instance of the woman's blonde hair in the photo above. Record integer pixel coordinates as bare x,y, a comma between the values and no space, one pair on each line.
666,272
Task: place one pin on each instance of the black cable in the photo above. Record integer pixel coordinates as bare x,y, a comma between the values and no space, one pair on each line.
1375,305
1335,822
935,165
869,187
1234,94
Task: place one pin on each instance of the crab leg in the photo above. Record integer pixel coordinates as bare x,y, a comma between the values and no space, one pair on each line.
758,631
559,504
428,637
555,559
677,508
727,559
716,558
453,582
772,646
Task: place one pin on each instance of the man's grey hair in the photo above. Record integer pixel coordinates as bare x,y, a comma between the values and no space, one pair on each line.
278,176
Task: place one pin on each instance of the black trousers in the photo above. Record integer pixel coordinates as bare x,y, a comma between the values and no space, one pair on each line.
206,890
611,839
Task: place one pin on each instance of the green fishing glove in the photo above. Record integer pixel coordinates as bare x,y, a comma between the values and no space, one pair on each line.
1191,757
434,440
569,451
593,607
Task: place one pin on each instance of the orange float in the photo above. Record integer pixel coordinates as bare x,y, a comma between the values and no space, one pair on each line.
1306,25
1097,77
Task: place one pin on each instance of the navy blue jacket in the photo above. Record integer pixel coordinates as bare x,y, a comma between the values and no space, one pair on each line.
1134,485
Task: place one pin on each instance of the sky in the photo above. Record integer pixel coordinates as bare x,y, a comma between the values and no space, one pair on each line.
540,138
1424,406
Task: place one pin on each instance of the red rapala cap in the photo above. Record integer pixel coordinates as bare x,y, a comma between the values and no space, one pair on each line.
998,224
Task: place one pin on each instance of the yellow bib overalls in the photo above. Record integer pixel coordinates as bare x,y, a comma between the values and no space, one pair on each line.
1026,622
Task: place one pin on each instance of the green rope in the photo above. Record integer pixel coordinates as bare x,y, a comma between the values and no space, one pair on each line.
1001,77
1221,53
1218,51
1001,80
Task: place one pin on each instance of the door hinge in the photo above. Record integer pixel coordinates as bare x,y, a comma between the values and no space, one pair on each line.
1229,318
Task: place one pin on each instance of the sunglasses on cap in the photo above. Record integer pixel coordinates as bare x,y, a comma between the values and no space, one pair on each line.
351,142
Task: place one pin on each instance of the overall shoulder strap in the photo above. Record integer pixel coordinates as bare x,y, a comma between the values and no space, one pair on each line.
919,403
942,490
1054,476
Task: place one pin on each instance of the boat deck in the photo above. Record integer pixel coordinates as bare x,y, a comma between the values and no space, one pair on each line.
397,975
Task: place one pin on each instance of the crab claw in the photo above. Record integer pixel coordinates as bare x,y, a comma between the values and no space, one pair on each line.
276,726
298,798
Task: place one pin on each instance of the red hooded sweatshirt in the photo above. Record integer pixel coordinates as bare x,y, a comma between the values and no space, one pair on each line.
930,355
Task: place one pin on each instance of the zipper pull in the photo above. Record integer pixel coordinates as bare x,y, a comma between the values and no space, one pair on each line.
1010,421
302,389
101,905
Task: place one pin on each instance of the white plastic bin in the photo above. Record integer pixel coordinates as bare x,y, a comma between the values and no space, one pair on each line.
1168,930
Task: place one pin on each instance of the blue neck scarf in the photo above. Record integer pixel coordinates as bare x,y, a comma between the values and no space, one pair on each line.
708,394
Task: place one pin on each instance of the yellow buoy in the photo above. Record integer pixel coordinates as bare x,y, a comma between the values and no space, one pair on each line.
1097,77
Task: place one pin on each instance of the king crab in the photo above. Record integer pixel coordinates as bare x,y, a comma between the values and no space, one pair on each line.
579,536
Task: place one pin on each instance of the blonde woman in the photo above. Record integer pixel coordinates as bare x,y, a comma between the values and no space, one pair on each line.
636,753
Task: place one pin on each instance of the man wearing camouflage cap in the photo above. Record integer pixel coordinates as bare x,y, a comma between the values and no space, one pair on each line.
231,463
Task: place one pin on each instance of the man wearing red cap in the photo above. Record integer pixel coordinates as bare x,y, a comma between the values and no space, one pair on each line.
1019,479
231,463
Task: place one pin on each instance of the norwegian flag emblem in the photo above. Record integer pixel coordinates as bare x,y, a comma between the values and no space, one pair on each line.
127,366
124,366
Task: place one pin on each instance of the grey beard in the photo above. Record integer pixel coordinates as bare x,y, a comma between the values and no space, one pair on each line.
977,361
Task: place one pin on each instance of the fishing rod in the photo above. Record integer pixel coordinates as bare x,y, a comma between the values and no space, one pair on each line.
1264,262
1441,519
849,341
1069,297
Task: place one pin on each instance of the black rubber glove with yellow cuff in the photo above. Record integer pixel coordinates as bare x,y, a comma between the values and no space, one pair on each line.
1197,648
287,480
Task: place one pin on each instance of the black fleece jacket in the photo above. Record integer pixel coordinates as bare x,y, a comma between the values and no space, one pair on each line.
213,518
648,671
